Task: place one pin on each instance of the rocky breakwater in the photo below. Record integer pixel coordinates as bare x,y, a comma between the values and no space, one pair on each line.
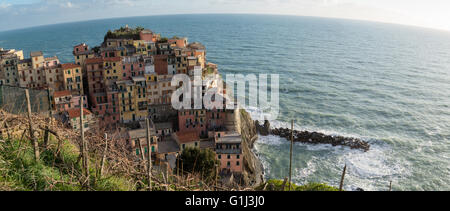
313,137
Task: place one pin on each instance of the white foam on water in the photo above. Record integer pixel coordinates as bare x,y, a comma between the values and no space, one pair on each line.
256,112
271,140
302,173
364,169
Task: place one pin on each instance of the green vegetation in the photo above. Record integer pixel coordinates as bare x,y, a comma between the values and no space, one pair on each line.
209,71
163,40
124,33
199,161
96,49
276,185
55,171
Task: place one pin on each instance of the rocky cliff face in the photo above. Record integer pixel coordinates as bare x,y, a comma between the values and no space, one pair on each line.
253,169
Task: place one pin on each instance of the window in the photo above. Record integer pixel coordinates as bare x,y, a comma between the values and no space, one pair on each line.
228,164
219,157
228,156
237,156
237,163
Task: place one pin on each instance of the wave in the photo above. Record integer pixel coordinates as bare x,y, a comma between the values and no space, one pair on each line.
364,169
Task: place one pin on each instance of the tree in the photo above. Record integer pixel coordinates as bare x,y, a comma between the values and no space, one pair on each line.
202,161
163,40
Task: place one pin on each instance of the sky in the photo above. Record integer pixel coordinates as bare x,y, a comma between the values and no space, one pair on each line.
27,13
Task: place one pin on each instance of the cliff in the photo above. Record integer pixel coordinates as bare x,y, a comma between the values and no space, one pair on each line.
253,169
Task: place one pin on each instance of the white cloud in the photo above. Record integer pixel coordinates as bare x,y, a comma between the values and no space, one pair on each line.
4,5
432,13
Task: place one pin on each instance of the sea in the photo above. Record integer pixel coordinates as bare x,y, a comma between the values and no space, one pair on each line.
384,83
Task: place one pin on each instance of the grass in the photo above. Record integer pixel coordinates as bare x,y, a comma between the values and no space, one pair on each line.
19,170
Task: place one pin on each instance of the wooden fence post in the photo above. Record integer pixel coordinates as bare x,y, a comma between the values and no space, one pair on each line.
142,153
102,162
1,96
290,158
33,139
50,115
342,178
149,147
84,144
217,172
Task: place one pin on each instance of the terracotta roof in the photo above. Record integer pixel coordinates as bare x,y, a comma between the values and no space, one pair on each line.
93,60
187,137
69,66
62,93
75,112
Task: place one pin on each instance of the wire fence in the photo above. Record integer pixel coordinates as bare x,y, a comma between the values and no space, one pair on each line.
13,100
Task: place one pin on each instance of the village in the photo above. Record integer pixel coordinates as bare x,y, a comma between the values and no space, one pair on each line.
126,81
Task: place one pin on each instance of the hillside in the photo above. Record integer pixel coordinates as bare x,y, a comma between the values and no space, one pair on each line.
60,168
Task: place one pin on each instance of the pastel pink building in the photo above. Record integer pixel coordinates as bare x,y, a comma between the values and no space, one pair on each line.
192,121
148,35
132,67
229,152
216,119
64,101
81,48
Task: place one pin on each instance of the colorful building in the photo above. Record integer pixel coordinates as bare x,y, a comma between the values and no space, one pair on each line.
229,152
73,78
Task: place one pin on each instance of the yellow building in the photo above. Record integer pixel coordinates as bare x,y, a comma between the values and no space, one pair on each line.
112,68
159,89
118,42
37,59
72,77
9,61
132,99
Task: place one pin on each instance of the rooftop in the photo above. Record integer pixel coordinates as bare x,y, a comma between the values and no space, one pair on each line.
69,66
36,53
187,137
231,138
75,112
51,58
196,46
168,146
62,93
163,125
82,44
94,60
136,134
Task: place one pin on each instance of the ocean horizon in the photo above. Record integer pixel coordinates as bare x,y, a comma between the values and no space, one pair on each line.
384,83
